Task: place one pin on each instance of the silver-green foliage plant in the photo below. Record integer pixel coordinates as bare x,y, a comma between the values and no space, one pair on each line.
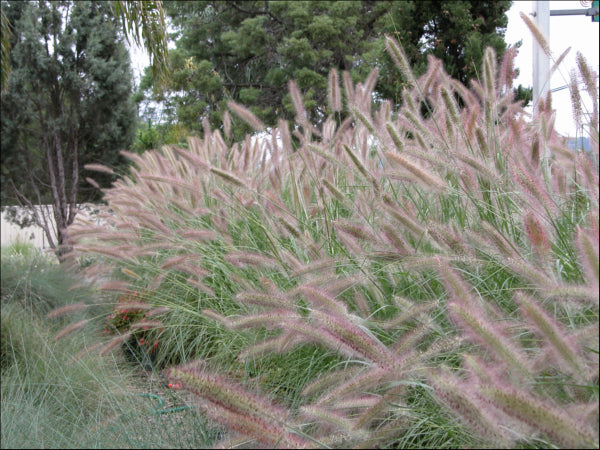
447,249
55,392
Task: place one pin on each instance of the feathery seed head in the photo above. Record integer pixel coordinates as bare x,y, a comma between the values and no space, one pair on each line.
588,75
71,328
99,168
227,176
537,34
115,342
67,309
576,101
537,235
561,344
334,95
400,59
247,116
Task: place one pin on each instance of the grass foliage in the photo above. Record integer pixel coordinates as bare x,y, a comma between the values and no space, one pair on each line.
425,276
59,393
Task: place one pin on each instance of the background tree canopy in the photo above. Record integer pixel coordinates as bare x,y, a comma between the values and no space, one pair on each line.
67,103
247,51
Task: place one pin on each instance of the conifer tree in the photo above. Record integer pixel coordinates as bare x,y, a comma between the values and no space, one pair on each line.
67,104
248,51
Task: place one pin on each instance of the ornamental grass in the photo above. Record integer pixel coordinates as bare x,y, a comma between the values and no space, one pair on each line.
414,276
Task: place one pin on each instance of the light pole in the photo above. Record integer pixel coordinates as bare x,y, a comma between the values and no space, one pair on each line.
541,61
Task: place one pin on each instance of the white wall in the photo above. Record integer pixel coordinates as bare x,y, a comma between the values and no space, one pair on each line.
34,234
12,232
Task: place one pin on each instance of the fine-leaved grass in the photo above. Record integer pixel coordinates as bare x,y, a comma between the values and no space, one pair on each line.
61,393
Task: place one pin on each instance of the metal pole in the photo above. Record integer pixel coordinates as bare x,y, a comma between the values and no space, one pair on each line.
575,12
541,62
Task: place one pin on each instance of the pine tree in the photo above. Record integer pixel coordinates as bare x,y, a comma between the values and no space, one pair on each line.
67,104
248,51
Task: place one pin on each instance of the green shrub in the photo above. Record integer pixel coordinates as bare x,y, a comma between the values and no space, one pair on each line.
38,282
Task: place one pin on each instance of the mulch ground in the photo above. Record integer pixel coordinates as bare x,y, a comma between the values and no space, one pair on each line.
172,411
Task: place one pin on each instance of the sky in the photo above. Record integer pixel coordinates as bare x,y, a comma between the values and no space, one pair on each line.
577,32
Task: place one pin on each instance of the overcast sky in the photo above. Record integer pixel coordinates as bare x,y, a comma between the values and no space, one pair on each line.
577,32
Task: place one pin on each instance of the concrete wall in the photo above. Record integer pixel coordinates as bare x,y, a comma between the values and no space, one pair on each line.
34,234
